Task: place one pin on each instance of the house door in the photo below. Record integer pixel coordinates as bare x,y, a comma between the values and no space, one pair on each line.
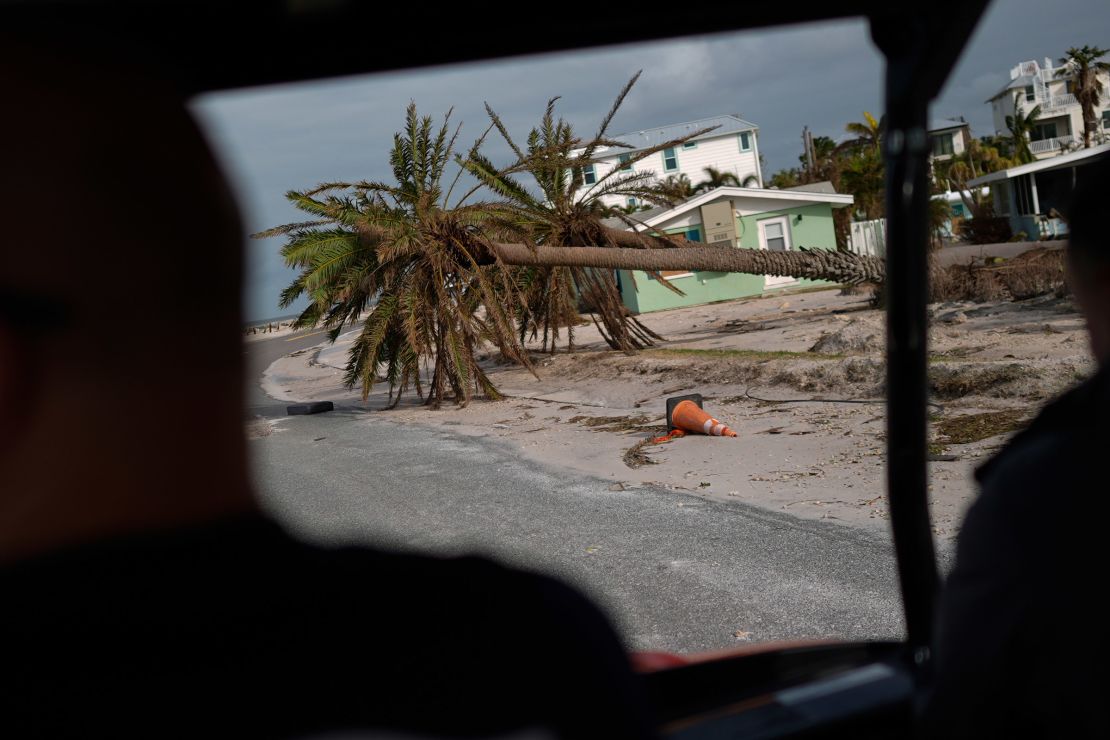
774,235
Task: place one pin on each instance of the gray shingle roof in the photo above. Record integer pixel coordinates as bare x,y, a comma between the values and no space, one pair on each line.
1015,84
814,187
728,124
943,124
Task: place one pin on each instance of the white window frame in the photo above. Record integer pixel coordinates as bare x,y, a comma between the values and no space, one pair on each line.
674,156
740,140
775,281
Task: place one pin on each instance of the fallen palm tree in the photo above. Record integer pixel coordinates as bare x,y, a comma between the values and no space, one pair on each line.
813,264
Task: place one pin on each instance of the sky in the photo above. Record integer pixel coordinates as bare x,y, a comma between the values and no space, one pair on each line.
291,137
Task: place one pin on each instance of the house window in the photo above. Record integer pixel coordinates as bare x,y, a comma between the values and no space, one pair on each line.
588,174
942,145
745,141
1043,131
1030,94
690,145
774,234
670,160
1106,120
693,235
632,203
625,166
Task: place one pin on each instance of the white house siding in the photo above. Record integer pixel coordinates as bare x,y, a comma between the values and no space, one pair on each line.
722,152
1002,106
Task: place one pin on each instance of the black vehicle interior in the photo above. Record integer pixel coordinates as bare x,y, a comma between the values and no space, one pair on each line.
861,690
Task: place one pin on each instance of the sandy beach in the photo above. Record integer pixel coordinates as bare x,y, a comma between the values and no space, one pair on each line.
798,376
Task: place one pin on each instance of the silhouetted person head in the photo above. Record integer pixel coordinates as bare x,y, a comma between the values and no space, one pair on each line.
120,333
1089,253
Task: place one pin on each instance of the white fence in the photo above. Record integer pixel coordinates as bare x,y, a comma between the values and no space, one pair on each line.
868,238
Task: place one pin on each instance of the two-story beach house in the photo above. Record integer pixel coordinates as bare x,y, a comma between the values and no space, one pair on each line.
1060,123
732,147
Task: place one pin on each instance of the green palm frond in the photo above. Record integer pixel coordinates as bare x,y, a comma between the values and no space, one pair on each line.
415,272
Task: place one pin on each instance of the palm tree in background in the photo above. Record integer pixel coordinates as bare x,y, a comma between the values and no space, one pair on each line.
715,178
980,157
1021,126
863,175
1084,65
677,187
868,133
396,253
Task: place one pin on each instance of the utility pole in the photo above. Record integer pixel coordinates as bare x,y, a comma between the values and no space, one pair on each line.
807,143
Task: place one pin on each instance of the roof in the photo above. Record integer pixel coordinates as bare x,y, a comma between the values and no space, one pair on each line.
824,186
943,124
658,215
617,223
815,188
647,138
1075,159
1018,83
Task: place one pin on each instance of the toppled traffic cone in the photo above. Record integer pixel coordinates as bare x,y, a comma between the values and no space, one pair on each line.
689,417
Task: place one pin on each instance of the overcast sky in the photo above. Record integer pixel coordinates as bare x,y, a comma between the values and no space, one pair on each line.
294,136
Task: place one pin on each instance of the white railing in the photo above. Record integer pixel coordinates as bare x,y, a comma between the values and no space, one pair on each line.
868,238
1057,102
1050,145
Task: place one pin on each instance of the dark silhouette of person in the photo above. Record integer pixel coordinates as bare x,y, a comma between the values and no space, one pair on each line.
1022,649
144,594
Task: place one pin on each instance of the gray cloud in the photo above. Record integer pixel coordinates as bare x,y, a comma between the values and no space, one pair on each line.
294,136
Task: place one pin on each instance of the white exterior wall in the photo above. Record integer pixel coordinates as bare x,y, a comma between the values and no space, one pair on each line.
1002,106
959,143
722,152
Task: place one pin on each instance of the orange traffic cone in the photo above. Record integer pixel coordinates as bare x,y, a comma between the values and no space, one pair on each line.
689,418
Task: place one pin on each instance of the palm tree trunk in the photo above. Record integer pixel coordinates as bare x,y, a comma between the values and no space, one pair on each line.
816,264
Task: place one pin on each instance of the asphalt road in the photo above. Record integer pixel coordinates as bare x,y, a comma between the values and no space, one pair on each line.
674,571
259,355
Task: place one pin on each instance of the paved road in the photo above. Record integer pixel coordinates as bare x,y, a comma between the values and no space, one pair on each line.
260,354
676,572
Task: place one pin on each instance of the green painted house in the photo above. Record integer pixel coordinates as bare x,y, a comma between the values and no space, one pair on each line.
740,218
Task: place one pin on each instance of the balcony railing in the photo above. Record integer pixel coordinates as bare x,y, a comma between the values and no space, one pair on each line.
1050,145
1058,102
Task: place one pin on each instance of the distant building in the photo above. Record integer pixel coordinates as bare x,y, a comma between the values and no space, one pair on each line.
1031,194
732,147
948,138
1060,124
